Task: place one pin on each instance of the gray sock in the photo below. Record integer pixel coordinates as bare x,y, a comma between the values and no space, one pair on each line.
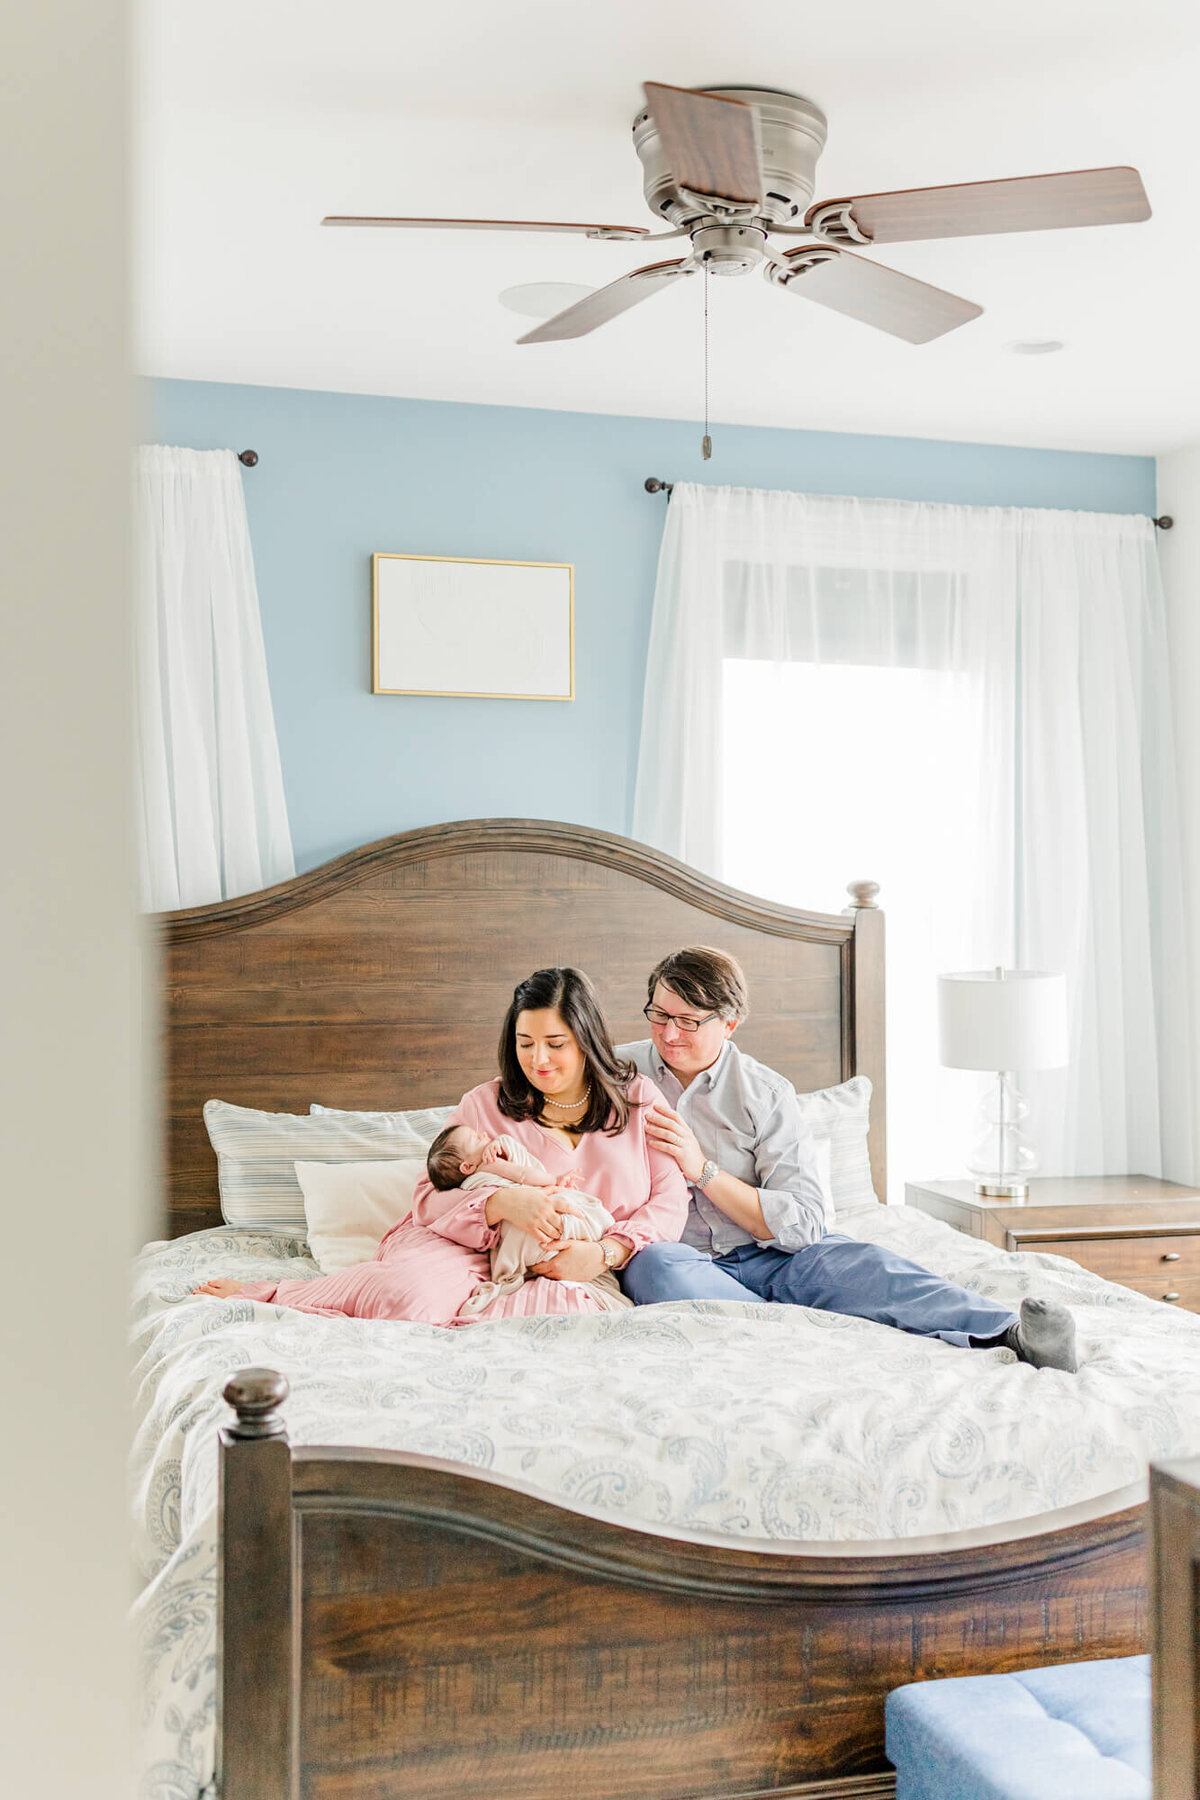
1045,1336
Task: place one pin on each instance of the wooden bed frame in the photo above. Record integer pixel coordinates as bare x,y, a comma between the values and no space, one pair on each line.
1175,1666
392,1626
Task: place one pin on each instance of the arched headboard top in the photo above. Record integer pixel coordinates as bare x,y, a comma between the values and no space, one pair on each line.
462,837
379,979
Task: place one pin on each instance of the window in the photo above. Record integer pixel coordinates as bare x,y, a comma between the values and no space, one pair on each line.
850,770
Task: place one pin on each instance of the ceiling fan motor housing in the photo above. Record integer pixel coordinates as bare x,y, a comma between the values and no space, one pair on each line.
793,137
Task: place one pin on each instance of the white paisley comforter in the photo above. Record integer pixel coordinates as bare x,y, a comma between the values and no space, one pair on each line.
753,1421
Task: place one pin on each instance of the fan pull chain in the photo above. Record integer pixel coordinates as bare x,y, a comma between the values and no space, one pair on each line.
705,441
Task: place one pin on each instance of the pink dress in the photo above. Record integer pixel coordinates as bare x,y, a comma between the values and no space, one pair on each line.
429,1263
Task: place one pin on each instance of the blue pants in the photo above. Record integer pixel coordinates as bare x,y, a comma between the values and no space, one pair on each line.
838,1274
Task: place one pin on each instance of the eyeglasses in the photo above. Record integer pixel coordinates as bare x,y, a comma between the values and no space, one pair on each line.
657,1016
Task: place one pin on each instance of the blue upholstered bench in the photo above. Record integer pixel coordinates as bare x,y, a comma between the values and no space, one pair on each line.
1077,1732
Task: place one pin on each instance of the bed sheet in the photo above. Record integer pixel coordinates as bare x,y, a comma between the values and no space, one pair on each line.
781,1423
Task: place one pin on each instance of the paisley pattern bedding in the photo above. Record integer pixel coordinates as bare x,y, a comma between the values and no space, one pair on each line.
782,1423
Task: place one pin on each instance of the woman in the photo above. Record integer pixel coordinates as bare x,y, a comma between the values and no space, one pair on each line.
566,1096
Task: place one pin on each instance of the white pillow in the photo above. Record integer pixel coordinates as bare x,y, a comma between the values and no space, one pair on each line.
351,1206
423,1123
824,1151
838,1118
257,1154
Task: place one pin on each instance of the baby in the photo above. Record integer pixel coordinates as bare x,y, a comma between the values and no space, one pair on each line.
462,1158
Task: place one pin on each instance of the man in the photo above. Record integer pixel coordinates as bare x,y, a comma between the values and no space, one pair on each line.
756,1223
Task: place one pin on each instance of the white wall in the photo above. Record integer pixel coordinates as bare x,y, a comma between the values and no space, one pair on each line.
68,997
1179,555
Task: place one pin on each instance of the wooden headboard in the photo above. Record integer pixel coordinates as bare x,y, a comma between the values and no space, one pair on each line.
380,980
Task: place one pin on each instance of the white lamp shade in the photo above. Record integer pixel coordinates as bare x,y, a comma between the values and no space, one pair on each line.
1016,1019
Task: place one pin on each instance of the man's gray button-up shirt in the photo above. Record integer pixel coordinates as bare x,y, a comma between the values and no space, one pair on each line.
746,1119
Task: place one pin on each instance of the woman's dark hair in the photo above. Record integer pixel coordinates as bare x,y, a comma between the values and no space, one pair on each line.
569,993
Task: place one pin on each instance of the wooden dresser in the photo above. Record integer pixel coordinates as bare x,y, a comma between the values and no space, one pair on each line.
1134,1229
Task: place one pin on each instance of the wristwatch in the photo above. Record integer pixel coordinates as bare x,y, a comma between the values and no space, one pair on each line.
611,1252
707,1172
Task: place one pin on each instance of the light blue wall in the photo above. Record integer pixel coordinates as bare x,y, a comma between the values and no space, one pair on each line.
343,475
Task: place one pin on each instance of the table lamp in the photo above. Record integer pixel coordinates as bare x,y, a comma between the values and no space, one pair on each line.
1002,1020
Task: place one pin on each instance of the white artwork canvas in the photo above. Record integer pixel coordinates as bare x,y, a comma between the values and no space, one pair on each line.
496,630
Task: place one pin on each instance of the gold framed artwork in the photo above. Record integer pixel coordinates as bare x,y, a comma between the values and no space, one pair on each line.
468,628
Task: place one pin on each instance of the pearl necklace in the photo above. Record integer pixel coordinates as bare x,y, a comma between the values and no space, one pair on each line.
574,1106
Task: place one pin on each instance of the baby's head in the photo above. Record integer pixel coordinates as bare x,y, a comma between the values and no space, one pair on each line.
455,1152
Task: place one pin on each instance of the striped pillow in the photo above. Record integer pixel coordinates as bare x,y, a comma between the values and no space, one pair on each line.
423,1122
839,1116
257,1154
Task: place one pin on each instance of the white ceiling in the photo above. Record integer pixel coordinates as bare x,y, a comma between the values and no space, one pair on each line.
257,119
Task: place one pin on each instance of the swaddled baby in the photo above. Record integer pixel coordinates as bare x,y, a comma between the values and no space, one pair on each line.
462,1158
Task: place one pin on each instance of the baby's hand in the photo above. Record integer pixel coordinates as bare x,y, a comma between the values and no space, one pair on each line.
501,1163
571,1180
495,1156
220,1289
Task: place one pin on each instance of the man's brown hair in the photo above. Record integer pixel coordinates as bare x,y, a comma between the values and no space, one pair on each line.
707,979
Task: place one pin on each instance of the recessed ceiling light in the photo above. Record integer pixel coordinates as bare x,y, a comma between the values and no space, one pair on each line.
1036,346
541,299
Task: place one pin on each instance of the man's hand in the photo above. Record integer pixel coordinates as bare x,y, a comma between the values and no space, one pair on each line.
668,1132
578,1260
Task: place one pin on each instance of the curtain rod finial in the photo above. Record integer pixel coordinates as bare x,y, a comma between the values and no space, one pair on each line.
248,457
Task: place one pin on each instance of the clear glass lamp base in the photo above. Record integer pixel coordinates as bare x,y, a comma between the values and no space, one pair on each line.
1001,1160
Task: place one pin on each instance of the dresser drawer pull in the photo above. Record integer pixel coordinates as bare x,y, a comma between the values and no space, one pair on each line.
1170,1256
1170,1296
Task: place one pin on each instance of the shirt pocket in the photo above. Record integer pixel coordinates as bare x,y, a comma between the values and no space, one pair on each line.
735,1150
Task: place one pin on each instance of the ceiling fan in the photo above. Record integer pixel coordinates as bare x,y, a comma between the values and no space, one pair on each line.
731,168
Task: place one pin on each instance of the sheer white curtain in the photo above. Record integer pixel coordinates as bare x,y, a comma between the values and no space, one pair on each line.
213,819
968,705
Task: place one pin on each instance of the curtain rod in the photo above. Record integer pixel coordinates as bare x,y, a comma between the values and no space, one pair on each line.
653,485
248,457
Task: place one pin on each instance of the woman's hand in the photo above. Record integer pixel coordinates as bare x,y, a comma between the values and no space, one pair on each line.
535,1210
578,1260
221,1288
666,1131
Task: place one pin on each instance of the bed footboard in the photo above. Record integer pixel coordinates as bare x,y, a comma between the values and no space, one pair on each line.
1175,1528
392,1626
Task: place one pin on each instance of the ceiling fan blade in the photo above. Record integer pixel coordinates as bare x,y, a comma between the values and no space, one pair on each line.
620,233
977,208
713,146
871,293
608,302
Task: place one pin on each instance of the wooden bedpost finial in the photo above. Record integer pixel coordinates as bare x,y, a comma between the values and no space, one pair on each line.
256,1396
862,893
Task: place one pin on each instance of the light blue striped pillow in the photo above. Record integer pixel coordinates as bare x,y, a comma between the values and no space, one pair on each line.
257,1153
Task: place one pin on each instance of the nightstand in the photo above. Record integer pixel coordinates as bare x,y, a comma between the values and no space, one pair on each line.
1133,1229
